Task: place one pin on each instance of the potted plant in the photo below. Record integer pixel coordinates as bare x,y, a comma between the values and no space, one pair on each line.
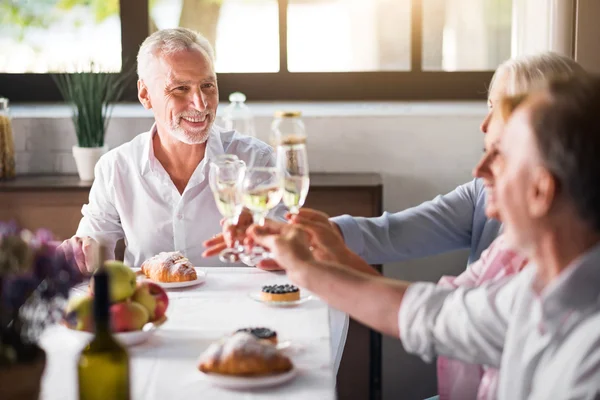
92,96
34,284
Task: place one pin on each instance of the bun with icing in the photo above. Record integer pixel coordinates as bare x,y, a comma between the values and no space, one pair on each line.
242,354
169,267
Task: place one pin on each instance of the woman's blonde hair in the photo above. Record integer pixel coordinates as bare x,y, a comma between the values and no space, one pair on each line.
527,73
508,104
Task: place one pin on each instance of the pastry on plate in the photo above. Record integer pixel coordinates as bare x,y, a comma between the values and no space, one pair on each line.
169,267
280,293
242,354
265,334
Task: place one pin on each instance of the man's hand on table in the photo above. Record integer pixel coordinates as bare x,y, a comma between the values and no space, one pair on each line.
81,250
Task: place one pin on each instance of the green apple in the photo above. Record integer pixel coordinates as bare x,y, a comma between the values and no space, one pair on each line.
79,313
121,281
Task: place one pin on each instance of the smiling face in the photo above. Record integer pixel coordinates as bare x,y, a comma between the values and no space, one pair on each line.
492,127
489,161
181,90
525,189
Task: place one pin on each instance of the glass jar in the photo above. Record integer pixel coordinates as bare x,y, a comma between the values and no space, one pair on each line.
237,115
287,129
7,146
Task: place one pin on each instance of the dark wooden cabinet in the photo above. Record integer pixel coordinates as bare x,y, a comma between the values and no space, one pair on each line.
54,202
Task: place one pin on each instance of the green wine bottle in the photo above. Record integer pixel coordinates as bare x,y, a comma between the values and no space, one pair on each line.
103,366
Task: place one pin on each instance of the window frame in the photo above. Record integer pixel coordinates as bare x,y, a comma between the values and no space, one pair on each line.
415,84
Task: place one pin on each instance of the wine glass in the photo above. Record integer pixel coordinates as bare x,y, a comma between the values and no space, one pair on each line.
225,179
221,159
261,192
292,161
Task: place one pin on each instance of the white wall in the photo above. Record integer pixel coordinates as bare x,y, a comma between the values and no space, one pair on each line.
420,149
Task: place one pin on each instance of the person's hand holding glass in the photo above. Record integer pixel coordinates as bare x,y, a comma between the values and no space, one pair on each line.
226,176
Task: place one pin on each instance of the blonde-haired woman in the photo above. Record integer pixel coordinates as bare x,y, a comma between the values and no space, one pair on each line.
458,219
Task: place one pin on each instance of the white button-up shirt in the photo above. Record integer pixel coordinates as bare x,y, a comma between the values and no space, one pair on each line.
546,344
134,198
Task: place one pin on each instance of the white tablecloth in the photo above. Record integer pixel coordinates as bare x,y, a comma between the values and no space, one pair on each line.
165,366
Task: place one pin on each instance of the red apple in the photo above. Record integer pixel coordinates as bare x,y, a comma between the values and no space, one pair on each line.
127,316
153,298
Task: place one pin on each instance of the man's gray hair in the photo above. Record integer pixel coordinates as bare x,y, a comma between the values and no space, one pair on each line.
168,41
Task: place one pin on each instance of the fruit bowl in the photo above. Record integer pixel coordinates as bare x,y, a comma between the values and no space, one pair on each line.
127,339
136,310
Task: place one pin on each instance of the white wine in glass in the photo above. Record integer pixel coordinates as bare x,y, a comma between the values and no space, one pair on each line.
262,199
225,179
292,161
228,199
295,189
261,192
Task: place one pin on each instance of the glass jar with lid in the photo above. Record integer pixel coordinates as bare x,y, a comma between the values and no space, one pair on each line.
288,129
7,146
238,116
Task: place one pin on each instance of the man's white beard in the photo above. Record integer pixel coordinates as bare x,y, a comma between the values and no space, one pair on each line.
180,134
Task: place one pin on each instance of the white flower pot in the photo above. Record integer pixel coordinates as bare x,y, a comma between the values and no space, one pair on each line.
86,159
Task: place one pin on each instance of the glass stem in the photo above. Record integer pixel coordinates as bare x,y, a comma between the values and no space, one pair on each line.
259,219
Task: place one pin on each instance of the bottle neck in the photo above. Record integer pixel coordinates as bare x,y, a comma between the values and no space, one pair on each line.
101,303
102,326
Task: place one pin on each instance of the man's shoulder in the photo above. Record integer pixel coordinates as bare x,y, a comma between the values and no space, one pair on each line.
240,144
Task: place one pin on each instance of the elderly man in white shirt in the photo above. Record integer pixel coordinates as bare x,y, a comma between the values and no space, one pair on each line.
153,191
541,327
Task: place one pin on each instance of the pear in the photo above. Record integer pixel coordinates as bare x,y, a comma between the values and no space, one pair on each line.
79,313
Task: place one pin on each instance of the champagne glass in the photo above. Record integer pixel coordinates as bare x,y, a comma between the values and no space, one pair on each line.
292,161
225,179
261,192
222,159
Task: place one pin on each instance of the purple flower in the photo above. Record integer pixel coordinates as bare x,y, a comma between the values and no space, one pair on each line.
34,279
43,236
8,228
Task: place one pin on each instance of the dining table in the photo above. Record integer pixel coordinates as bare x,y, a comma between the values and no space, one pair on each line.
165,366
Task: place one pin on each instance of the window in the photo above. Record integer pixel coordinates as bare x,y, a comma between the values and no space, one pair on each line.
59,36
270,49
244,33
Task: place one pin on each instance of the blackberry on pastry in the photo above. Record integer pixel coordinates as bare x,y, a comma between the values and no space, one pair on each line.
265,334
280,293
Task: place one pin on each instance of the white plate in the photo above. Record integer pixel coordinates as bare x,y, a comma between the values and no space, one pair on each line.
304,297
200,278
247,382
127,339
